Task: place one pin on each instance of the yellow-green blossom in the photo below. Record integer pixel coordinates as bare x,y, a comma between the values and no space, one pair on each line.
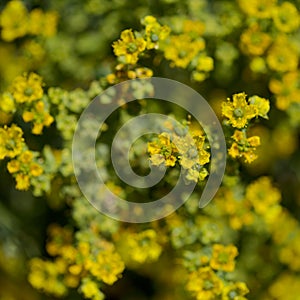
286,17
254,41
90,290
41,23
239,111
282,58
243,146
223,257
11,141
258,8
205,284
262,195
40,117
142,247
7,103
107,267
235,291
154,32
129,47
27,88
181,49
14,20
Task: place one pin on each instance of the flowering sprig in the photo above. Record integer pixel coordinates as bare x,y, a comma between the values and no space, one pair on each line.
182,145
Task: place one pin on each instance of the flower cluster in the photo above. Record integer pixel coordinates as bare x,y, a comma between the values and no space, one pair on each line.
24,167
12,141
243,146
182,145
239,112
16,22
139,247
219,47
27,88
84,265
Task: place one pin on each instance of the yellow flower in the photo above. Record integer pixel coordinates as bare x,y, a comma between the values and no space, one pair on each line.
235,291
204,284
234,151
48,119
262,195
182,49
243,146
143,72
223,257
286,17
249,156
195,28
129,47
154,32
75,269
26,157
238,211
90,290
71,280
282,58
258,65
28,116
7,103
192,175
285,287
170,161
13,20
13,166
46,277
287,89
11,141
143,246
257,8
27,88
59,240
254,141
161,151
108,266
199,76
262,105
239,111
36,19
23,183
50,23
34,50
254,42
36,170
205,63
41,23
153,148
39,116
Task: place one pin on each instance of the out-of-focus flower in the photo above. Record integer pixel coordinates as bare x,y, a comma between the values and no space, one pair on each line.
254,42
258,8
205,284
223,257
235,291
11,141
286,17
14,20
282,59
181,49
